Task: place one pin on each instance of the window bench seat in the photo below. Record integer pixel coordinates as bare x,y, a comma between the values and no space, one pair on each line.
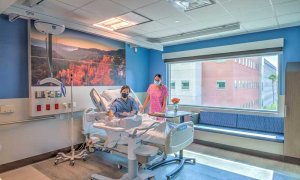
241,133
249,126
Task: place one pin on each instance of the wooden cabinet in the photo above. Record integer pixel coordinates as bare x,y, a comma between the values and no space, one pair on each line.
292,120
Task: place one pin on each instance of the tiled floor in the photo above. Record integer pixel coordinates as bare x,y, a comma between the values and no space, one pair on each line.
212,163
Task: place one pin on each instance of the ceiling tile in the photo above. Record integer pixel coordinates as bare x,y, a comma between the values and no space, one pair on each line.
132,30
263,24
159,10
151,26
105,9
205,24
54,7
135,4
281,1
76,3
83,17
209,13
254,14
176,21
289,20
287,8
244,5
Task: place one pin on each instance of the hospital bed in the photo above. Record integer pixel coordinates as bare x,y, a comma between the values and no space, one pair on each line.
155,137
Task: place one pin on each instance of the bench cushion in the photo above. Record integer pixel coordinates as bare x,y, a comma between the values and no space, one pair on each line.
260,123
218,119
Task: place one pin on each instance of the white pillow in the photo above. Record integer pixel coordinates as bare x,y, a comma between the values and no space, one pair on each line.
111,94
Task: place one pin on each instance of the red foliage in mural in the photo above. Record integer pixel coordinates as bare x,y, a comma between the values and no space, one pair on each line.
88,71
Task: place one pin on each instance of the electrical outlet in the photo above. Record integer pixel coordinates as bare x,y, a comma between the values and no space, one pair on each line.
7,109
74,105
65,105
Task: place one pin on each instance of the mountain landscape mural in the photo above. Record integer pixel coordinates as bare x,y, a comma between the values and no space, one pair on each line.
93,60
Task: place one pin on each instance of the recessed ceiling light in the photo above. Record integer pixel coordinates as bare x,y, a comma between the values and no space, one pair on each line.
188,5
123,21
177,21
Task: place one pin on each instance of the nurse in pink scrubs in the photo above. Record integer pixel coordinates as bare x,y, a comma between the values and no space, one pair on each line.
157,95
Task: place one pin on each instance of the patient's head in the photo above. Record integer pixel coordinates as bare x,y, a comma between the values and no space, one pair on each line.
125,90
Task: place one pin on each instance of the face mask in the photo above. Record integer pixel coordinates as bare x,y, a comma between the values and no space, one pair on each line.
124,95
157,82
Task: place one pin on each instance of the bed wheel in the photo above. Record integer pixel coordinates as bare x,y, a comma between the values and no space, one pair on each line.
55,162
91,149
72,163
120,166
84,158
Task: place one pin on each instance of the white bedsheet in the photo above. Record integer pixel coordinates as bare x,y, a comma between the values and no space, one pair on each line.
157,135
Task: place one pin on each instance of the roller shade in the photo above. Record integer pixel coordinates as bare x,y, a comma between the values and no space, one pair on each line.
243,49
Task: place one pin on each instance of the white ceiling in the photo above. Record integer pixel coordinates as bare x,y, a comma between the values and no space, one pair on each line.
253,15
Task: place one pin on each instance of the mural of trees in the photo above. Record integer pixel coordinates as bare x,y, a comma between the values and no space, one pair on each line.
89,66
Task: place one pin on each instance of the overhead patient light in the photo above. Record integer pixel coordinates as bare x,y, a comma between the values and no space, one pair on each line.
56,82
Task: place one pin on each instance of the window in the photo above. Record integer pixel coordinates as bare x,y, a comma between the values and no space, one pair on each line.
185,85
172,85
221,84
224,85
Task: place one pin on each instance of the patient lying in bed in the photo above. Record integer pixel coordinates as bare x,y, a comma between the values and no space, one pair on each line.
125,106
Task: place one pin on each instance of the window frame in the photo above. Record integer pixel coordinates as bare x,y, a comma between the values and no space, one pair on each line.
235,109
174,85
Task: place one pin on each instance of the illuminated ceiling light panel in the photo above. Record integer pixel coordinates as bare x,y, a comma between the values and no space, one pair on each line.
123,21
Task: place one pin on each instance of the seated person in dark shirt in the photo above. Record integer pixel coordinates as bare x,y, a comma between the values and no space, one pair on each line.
125,106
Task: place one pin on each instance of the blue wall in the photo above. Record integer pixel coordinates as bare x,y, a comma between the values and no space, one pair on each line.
137,68
13,59
291,51
156,65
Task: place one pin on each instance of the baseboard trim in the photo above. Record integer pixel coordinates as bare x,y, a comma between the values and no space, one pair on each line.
33,159
251,152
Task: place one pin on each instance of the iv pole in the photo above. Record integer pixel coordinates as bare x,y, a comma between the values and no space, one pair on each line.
43,27
62,157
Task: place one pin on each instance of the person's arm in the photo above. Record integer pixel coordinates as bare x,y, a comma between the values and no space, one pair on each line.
113,111
164,104
135,107
110,114
145,103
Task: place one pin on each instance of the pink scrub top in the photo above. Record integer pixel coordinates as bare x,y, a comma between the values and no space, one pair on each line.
157,97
